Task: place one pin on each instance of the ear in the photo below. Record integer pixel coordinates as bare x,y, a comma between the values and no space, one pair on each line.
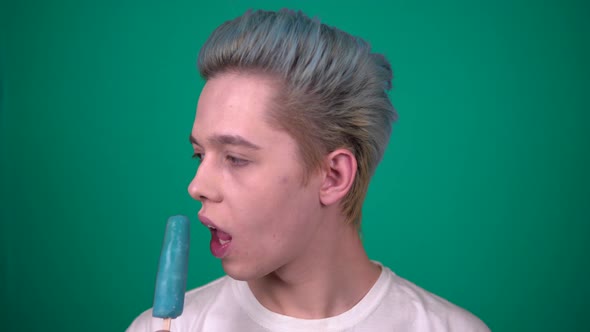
340,167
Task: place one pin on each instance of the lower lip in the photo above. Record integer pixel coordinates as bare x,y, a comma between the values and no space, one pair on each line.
217,249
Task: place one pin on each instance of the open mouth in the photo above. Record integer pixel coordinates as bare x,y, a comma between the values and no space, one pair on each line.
220,242
222,237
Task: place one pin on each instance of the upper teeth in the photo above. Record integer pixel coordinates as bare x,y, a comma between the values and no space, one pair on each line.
211,227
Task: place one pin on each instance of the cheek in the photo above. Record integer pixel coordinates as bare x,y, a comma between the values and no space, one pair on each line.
283,180
288,212
272,204
270,200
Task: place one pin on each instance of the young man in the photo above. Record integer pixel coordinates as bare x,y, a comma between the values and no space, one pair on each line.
290,126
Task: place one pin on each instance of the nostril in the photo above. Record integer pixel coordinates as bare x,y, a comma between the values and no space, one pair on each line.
195,193
204,187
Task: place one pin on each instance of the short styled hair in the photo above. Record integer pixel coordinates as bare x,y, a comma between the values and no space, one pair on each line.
332,90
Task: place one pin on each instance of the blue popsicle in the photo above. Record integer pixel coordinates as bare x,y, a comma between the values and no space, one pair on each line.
173,268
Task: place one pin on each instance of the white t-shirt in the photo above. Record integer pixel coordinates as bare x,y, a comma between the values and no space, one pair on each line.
392,304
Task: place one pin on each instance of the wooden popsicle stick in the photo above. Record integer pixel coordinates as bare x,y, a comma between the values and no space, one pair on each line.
167,322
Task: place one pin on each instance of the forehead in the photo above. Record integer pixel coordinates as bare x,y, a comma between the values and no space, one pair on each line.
236,104
235,91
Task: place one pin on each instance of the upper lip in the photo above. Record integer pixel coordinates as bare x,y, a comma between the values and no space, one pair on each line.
207,222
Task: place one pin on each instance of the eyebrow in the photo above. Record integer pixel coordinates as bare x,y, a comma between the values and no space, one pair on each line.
234,140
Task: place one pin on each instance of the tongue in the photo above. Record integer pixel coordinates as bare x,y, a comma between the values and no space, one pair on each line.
223,236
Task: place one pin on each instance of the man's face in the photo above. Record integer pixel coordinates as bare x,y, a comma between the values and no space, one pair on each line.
250,179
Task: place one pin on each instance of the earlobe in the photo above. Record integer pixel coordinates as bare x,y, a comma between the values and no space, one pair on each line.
340,173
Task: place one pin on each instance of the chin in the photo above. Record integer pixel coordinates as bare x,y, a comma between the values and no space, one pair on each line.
242,270
239,271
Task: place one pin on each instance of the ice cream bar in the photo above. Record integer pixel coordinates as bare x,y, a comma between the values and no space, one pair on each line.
173,268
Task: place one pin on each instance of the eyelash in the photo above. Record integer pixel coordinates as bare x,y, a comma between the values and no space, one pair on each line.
237,162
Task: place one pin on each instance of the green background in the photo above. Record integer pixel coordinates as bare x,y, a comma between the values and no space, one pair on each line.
482,197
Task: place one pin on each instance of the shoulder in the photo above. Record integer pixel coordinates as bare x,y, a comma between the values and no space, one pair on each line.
431,312
195,301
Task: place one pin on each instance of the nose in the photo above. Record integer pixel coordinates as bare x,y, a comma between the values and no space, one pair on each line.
205,185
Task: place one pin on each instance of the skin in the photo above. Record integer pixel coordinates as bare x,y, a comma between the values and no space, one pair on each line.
289,241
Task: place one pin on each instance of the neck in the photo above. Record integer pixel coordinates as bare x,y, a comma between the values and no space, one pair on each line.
328,279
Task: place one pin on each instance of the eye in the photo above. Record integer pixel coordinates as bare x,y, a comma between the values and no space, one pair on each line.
198,156
234,161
